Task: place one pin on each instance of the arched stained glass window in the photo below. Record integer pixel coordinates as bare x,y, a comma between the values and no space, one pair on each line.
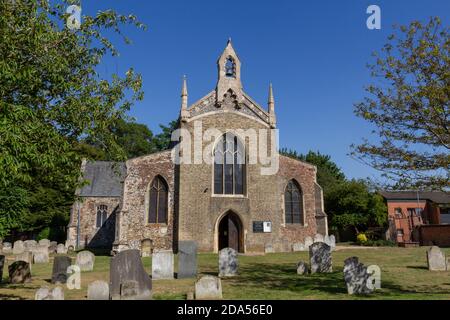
158,201
293,203
229,165
102,215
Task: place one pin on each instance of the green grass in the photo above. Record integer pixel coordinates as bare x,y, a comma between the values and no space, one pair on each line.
404,275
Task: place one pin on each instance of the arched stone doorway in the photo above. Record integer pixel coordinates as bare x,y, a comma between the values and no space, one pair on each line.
230,232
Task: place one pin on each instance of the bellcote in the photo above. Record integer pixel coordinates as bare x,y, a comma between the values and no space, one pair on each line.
229,77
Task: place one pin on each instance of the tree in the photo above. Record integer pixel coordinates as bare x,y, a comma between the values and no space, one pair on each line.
135,138
328,173
351,204
52,98
409,108
163,140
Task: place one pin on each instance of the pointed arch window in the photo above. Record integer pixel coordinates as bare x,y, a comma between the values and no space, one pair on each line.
229,166
293,203
102,215
230,68
158,201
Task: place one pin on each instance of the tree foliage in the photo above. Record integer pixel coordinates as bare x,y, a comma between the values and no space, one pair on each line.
409,108
328,173
52,98
348,203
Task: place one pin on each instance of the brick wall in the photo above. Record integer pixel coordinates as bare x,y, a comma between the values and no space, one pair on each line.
438,235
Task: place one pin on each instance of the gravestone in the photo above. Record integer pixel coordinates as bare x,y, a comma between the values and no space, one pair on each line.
208,288
326,239
18,247
146,247
25,256
19,272
29,245
2,264
162,264
125,266
298,246
318,238
98,290
187,259
320,257
44,242
302,268
356,277
448,263
52,248
228,262
45,293
308,242
59,272
61,249
40,254
7,247
129,290
332,242
85,260
268,248
436,259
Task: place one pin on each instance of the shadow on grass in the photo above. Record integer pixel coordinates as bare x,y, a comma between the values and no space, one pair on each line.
417,267
284,277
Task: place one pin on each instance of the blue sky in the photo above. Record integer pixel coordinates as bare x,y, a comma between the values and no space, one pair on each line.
314,52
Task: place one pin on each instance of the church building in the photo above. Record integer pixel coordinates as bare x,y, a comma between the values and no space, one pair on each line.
229,202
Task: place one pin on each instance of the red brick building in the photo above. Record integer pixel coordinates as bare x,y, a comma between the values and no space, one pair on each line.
417,217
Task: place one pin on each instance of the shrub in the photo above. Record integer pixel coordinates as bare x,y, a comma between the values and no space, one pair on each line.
361,238
379,243
44,234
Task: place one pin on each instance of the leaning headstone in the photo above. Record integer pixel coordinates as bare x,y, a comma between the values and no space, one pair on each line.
98,290
25,256
127,266
7,247
308,242
187,259
40,254
228,262
320,257
19,272
318,238
18,247
436,259
268,248
146,247
298,246
356,277
85,260
61,249
59,272
2,264
208,288
162,264
302,268
332,242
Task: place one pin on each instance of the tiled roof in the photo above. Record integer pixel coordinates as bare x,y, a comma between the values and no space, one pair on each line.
435,196
105,179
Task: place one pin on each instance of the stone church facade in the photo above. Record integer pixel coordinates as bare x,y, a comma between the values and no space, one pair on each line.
228,202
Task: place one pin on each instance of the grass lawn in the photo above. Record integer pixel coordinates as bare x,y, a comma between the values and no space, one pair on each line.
404,275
